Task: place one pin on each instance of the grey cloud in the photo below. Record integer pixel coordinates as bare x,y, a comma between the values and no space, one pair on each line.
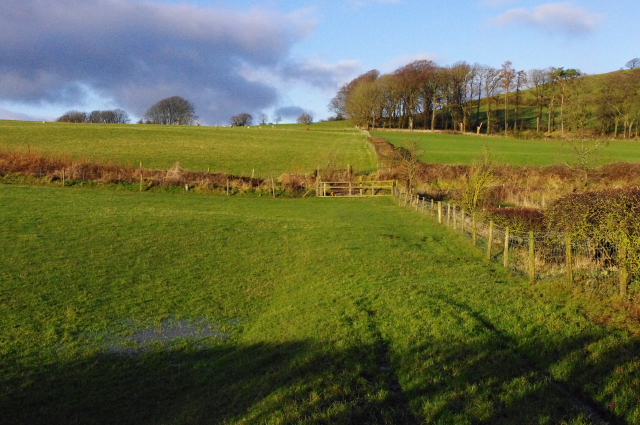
553,17
137,52
290,111
6,114
319,74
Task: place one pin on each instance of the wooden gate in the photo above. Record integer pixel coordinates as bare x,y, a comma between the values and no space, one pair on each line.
356,189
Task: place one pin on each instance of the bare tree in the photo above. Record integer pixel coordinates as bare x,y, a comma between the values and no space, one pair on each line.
633,63
172,111
521,80
263,119
305,119
563,77
73,116
537,81
278,119
507,75
122,117
241,120
491,87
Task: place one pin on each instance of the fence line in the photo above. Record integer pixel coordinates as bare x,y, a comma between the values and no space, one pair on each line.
592,266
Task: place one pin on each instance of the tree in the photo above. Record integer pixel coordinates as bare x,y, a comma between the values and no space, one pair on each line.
122,117
633,63
305,119
521,79
538,80
407,158
73,116
507,74
278,119
563,77
241,120
172,111
491,86
263,119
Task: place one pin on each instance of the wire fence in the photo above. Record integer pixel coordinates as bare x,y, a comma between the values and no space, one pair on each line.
588,265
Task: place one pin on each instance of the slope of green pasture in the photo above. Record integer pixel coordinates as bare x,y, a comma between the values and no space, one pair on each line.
319,311
463,149
266,151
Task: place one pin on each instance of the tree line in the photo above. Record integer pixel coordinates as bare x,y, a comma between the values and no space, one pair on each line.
173,110
466,97
112,116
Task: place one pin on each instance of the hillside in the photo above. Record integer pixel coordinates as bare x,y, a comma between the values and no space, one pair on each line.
264,152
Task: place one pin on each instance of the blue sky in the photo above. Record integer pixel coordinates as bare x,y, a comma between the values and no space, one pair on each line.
276,56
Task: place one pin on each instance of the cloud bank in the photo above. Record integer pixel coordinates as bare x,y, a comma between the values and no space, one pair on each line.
553,17
138,52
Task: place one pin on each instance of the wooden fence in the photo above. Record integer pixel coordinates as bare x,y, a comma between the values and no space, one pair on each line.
356,189
593,266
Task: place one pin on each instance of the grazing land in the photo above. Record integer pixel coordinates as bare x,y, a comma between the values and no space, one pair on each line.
463,149
123,307
266,152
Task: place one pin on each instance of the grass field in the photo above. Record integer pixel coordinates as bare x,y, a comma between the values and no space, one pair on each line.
267,152
463,149
280,311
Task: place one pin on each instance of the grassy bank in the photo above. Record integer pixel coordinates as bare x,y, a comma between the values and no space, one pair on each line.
463,149
266,152
123,307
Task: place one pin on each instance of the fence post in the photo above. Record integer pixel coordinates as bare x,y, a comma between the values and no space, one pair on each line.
569,258
490,241
462,222
140,176
449,214
417,202
432,204
624,271
63,176
455,218
506,247
474,230
532,258
440,212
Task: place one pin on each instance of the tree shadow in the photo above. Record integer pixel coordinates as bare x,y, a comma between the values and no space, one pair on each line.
489,378
298,382
499,380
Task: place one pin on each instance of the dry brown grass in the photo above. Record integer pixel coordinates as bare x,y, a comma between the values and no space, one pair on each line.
49,168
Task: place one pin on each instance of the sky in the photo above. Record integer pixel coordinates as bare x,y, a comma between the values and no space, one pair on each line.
277,57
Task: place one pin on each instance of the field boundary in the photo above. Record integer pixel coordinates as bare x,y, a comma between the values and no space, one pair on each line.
589,265
355,189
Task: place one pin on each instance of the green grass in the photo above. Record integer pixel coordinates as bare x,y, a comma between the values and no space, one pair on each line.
324,311
463,149
268,151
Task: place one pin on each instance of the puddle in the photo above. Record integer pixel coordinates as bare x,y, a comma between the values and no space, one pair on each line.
170,330
173,329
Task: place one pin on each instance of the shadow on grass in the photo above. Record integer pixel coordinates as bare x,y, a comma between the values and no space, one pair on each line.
287,383
494,380
499,380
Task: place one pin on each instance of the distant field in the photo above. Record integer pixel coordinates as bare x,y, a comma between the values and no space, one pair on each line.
463,149
126,307
269,151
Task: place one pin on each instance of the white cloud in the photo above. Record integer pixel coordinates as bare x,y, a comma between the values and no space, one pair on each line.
553,17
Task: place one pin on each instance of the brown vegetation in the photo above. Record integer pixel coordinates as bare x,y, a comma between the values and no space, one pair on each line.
49,168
